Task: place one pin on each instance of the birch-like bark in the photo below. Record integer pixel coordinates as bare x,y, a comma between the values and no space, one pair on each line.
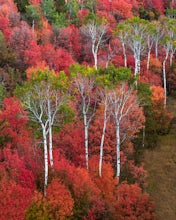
96,33
50,134
86,138
45,158
118,147
124,54
137,65
50,146
164,77
158,34
172,52
123,34
110,54
148,59
150,41
156,49
95,55
33,25
41,100
121,105
85,86
103,134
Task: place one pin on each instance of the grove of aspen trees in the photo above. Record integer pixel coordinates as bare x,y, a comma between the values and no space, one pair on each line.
83,93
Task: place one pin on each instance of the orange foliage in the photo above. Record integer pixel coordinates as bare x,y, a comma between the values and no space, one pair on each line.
155,66
157,94
34,69
163,116
10,4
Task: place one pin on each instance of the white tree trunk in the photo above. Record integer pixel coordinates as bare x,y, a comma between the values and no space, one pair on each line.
156,49
171,58
164,81
137,66
102,139
86,140
50,134
118,148
45,158
33,25
50,146
95,59
148,59
124,54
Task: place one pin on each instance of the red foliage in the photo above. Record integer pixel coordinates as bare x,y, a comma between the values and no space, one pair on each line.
119,9
62,60
106,184
105,15
45,35
153,75
134,4
56,59
21,39
15,120
8,15
59,199
35,2
84,191
9,4
82,14
15,168
70,141
150,77
132,204
139,174
155,4
69,39
4,27
14,200
33,54
109,143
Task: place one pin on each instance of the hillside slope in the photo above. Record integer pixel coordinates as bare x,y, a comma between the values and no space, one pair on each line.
161,166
